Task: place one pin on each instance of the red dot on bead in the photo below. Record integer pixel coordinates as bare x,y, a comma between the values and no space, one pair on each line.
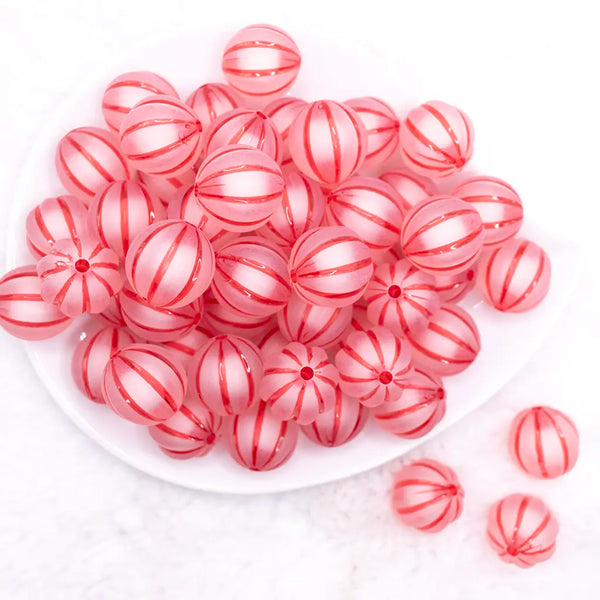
306,373
386,377
470,275
210,438
82,265
441,394
394,291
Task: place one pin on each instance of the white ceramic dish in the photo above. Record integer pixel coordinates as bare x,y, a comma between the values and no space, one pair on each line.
508,340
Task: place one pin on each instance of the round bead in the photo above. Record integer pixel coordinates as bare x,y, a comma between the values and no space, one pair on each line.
382,126
374,366
328,142
258,440
271,342
451,288
411,188
211,100
225,374
112,313
401,298
330,266
23,312
522,530
391,255
436,139
126,90
339,425
80,276
449,343
261,61
187,345
55,219
161,136
192,431
119,212
299,383
427,496
144,384
87,159
240,187
282,112
313,325
369,207
516,276
442,235
91,357
544,442
420,407
165,189
221,319
497,203
170,264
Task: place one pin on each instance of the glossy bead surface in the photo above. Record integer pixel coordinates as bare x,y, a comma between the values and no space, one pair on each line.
282,112
211,100
411,188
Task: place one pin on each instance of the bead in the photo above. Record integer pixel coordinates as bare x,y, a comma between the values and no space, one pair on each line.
544,442
211,100
119,212
442,235
187,345
339,425
251,277
436,139
382,126
161,136
497,203
165,189
401,298
240,187
170,264
126,90
144,384
427,495
54,219
225,374
91,357
374,366
299,383
449,343
522,530
420,407
515,277
221,319
330,266
271,342
313,325
282,112
259,441
23,312
451,288
80,276
192,431
327,142
389,256
112,313
261,61
87,159
411,188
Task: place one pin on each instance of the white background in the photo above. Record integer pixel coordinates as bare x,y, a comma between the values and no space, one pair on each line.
75,523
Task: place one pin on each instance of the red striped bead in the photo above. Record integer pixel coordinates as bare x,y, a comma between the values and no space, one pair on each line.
272,342
449,343
261,61
167,188
328,142
374,366
382,126
54,219
23,312
112,313
240,187
170,264
225,374
211,100
369,207
330,266
259,441
522,530
192,431
442,235
436,139
161,136
544,442
451,288
411,188
420,407
251,277
187,345
516,276
144,384
427,496
299,383
91,357
80,276
87,159
126,90
221,319
339,425
282,113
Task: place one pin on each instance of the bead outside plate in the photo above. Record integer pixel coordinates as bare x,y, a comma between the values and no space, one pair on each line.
508,340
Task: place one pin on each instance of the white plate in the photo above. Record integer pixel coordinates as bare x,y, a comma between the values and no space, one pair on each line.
339,70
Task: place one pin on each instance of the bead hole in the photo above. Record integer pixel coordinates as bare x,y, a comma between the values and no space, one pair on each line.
306,373
386,377
394,291
82,265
